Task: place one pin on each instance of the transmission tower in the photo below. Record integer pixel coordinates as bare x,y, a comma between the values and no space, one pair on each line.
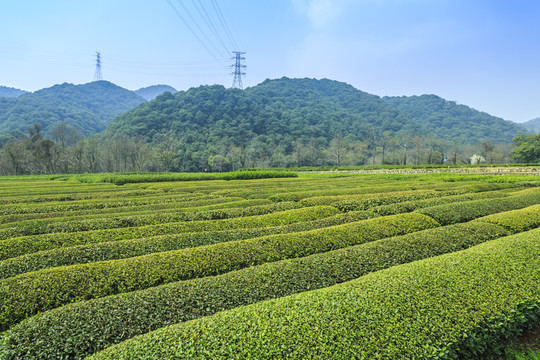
97,75
238,67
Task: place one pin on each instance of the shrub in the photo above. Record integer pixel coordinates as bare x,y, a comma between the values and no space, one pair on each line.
420,310
26,294
83,328
30,244
469,210
36,227
367,201
517,220
137,247
408,206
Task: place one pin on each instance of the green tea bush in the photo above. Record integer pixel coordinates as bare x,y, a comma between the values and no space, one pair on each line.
151,218
517,220
408,206
80,329
136,247
367,201
427,309
125,178
26,294
284,213
469,210
44,220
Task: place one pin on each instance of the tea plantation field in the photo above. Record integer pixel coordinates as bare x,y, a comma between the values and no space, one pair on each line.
268,265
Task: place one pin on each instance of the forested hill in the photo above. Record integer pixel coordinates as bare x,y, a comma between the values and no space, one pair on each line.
283,111
277,112
151,92
9,92
451,121
532,125
89,107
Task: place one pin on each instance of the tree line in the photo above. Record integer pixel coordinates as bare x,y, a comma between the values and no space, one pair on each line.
65,150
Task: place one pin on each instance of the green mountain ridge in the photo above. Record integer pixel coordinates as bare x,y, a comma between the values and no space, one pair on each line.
153,91
9,92
88,107
532,125
451,121
282,111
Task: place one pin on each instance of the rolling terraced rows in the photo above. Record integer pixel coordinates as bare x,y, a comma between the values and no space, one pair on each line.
312,266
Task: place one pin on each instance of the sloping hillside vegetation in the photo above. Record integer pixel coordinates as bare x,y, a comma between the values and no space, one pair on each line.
89,107
9,92
455,122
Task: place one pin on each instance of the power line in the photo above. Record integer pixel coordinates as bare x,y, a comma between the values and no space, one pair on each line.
208,20
192,31
224,24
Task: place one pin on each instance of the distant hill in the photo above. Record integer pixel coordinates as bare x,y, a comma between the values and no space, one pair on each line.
89,107
532,125
451,121
276,111
282,111
9,92
151,92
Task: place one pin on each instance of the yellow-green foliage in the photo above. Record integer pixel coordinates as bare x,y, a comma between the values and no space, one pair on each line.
517,220
83,328
142,246
367,201
469,210
26,294
281,216
454,305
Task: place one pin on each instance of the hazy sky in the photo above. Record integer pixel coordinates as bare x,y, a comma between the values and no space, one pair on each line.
481,53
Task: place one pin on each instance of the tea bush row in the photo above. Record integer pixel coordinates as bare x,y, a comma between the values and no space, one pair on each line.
420,310
137,247
469,210
27,294
80,329
408,206
36,228
517,220
125,178
30,244
135,211
115,211
367,201
103,203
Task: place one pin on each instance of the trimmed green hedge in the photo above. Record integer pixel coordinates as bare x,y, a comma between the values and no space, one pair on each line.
284,213
367,201
46,226
30,293
111,201
137,247
408,206
46,219
429,309
469,210
83,328
517,220
125,178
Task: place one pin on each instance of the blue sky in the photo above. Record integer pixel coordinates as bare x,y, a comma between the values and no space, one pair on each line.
485,54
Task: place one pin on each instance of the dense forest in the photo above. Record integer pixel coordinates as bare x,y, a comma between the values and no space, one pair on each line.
278,123
451,121
532,125
89,107
9,92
